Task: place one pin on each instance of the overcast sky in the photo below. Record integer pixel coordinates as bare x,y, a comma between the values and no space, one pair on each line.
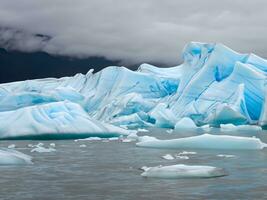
132,31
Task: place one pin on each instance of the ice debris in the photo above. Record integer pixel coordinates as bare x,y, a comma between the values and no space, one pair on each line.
226,156
168,157
41,149
11,146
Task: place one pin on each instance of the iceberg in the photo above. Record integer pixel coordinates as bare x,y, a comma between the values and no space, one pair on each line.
54,120
205,141
214,85
13,157
182,171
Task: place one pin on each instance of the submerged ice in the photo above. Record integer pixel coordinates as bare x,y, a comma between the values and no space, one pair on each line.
213,86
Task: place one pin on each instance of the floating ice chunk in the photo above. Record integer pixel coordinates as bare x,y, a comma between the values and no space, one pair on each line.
126,140
11,146
30,145
185,123
168,157
231,127
182,171
83,146
205,141
40,144
187,153
52,144
225,156
41,149
113,139
169,130
13,157
89,139
142,130
182,157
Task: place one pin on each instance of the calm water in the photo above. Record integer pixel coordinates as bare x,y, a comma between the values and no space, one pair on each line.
109,170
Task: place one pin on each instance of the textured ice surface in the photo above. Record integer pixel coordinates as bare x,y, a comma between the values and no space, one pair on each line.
185,123
59,119
182,171
205,141
214,85
13,157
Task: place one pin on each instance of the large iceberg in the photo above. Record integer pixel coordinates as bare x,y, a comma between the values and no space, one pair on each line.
214,85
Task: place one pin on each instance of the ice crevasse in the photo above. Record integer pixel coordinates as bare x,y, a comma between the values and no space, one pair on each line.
214,85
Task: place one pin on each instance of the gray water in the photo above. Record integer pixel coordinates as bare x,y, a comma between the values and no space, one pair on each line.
110,170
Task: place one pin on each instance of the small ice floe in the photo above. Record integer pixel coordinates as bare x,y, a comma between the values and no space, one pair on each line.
30,145
83,146
41,149
169,130
52,144
187,153
232,127
13,157
226,156
182,171
126,140
142,130
113,138
89,139
182,157
168,157
11,146
205,141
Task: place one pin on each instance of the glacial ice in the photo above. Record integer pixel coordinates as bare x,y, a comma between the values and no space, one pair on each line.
205,141
13,157
182,171
213,86
59,119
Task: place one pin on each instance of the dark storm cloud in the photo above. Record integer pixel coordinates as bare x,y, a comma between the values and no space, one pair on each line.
133,31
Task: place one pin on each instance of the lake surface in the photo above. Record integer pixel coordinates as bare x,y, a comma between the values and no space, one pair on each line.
110,170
